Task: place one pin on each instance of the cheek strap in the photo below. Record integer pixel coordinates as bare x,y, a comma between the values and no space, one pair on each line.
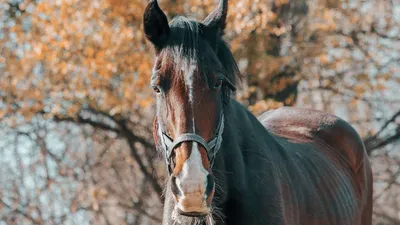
155,130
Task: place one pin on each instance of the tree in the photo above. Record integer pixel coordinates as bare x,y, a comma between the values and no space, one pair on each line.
86,64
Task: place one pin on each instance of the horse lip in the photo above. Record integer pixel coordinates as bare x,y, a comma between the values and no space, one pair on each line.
192,214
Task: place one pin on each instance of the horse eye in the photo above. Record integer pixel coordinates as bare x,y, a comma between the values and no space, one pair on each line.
218,84
156,89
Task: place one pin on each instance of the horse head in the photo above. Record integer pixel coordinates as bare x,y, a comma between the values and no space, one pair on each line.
192,77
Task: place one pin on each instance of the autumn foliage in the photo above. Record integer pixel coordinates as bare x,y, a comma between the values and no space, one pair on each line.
87,63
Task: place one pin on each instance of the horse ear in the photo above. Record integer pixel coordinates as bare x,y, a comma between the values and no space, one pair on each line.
217,18
155,24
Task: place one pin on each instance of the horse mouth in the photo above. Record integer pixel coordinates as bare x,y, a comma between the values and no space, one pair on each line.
192,214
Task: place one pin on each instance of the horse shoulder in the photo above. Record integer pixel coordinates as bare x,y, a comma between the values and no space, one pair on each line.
306,126
312,126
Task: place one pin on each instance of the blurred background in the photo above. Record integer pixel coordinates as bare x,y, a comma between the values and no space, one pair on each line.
76,109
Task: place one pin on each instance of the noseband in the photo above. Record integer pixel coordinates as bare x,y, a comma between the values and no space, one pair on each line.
211,147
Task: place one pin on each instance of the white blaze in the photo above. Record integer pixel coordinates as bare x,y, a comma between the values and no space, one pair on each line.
189,82
192,182
193,174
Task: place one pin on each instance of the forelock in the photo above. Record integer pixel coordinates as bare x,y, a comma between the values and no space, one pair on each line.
186,48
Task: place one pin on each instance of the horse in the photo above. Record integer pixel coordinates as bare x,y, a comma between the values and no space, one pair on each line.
289,166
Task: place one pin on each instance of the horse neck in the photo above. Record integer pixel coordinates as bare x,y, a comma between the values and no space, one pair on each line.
241,136
243,127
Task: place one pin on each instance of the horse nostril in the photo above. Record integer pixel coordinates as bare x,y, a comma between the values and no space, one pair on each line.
210,185
174,187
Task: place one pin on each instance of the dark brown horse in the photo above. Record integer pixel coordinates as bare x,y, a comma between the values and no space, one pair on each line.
289,166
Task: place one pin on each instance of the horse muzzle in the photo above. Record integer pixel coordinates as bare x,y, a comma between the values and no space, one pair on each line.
193,196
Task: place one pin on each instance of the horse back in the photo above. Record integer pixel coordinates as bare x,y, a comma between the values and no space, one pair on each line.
332,137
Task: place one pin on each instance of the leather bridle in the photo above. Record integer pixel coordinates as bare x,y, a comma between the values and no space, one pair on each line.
169,144
212,147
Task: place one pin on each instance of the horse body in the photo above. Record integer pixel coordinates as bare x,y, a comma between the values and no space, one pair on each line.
289,166
327,162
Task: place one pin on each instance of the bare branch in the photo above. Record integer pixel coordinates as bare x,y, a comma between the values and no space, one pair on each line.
131,138
374,142
16,210
387,217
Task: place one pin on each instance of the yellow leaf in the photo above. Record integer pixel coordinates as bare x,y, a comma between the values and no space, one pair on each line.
89,52
380,87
